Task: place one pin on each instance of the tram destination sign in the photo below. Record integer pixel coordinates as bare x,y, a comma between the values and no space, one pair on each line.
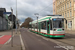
7,13
54,19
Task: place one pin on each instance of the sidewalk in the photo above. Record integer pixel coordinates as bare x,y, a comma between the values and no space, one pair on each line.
70,32
16,42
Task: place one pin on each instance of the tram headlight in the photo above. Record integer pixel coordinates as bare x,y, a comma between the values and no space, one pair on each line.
62,29
54,29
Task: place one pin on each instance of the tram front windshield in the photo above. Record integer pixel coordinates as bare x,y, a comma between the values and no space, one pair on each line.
58,23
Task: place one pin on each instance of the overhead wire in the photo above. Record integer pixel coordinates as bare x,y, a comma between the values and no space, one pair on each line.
45,8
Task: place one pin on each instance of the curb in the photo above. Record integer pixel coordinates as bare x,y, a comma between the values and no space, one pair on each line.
22,44
1,36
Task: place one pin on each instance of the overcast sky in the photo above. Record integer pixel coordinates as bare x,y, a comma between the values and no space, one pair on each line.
27,8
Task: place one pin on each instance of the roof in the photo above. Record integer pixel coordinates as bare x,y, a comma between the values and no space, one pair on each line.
47,18
3,9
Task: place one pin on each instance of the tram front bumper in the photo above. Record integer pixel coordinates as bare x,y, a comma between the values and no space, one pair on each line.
57,36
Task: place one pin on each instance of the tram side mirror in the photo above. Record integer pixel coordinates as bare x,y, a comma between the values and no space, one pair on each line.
66,21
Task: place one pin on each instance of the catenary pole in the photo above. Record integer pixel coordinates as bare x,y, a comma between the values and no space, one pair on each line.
37,15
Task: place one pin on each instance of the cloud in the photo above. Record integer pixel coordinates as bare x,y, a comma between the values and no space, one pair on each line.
27,8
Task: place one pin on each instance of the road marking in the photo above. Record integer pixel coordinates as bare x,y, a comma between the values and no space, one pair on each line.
9,40
22,44
4,39
55,41
63,47
1,36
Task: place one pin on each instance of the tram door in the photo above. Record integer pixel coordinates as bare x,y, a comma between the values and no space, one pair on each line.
48,27
39,26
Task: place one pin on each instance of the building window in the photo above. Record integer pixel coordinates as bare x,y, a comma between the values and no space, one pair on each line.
69,24
70,3
65,6
65,14
70,13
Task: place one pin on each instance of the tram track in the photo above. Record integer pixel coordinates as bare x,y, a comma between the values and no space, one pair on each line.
66,43
36,42
58,41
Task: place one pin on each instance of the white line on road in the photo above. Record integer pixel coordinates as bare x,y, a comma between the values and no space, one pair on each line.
9,40
57,42
22,44
63,47
1,36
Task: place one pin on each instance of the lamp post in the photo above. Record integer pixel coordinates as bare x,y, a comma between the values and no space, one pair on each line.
16,16
31,26
37,15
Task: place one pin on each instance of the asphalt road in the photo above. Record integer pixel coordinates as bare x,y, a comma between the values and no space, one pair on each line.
33,42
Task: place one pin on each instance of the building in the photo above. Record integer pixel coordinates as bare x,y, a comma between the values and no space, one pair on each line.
3,20
54,7
0,23
6,22
66,8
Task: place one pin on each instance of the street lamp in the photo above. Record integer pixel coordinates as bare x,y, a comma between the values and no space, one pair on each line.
37,15
31,26
16,16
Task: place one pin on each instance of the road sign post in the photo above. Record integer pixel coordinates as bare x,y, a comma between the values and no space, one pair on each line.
12,28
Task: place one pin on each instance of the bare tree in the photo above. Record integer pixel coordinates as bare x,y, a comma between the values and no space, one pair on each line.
26,22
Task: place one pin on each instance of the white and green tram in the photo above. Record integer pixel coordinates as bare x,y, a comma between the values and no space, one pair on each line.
49,26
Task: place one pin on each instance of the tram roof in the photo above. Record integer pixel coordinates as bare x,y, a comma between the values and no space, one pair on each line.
47,18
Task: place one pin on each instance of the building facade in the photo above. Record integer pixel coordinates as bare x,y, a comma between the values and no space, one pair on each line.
3,20
66,8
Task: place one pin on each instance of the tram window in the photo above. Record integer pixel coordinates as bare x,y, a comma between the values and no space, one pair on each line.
30,26
33,26
43,25
49,22
36,25
60,24
50,25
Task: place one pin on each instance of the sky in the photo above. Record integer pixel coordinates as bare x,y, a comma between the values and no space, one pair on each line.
27,8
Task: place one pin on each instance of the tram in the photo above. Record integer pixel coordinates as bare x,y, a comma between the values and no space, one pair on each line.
49,26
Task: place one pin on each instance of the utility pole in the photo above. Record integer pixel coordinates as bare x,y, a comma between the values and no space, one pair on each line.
31,26
16,16
36,14
37,24
12,28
